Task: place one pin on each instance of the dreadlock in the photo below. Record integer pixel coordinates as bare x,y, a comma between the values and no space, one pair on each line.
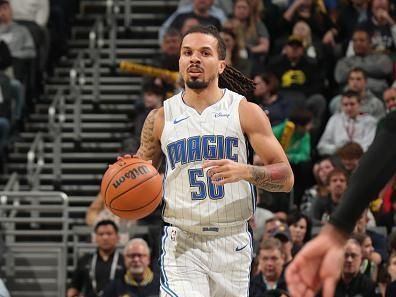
231,78
234,80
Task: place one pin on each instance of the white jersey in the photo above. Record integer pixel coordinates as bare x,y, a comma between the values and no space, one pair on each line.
187,140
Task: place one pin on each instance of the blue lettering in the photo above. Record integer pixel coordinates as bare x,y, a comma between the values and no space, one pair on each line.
194,149
230,144
209,147
177,152
198,148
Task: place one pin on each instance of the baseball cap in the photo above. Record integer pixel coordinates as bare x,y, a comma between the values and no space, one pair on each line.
295,40
282,233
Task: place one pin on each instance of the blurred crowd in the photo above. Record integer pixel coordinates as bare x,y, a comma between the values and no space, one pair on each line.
33,38
324,73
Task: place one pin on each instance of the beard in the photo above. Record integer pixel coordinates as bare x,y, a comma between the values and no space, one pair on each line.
197,84
136,270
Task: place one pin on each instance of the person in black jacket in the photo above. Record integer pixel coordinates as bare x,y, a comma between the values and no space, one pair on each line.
95,270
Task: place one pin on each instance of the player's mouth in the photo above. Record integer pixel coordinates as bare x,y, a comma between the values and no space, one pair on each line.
194,70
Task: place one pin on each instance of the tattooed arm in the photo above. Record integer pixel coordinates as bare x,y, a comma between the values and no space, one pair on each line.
150,146
276,174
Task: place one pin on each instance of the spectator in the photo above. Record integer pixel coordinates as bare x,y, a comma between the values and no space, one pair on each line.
321,171
301,80
188,23
390,99
315,16
391,268
295,139
200,11
322,208
270,267
139,280
252,32
352,282
195,5
378,67
257,224
36,11
34,16
5,97
266,94
370,259
350,154
95,270
381,26
378,240
312,45
347,126
350,14
270,226
16,36
168,59
357,82
282,233
21,45
233,57
300,229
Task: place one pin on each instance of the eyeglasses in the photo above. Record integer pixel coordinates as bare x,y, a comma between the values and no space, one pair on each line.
136,255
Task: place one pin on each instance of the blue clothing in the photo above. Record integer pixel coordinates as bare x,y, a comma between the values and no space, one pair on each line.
278,110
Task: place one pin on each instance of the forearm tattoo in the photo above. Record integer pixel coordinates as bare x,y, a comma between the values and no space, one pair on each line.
272,178
148,143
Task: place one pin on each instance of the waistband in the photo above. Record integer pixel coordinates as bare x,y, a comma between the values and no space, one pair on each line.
213,230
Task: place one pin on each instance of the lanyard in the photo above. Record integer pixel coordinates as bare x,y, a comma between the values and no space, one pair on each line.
93,269
350,128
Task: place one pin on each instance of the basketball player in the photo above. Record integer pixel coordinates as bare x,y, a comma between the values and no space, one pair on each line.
209,192
320,261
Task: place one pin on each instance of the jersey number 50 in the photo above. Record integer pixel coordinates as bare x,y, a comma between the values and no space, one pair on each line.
204,186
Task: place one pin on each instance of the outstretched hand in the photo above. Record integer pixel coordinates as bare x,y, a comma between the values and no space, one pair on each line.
317,265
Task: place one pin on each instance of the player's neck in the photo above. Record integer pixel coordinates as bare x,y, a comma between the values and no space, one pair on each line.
201,99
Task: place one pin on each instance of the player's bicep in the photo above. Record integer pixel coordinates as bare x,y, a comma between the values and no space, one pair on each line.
257,127
150,146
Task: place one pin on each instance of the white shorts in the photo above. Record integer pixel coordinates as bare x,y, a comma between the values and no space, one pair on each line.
201,265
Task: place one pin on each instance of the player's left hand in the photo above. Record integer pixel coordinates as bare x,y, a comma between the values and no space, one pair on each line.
225,171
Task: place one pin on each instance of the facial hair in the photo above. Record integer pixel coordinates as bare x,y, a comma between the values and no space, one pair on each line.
197,84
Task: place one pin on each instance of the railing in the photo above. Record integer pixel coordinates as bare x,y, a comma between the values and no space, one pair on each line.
56,118
77,81
96,43
52,220
35,162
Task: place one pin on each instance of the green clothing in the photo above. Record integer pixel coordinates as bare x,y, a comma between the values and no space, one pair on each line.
299,149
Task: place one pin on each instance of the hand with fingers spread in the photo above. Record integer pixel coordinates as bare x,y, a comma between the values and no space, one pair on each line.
317,265
225,171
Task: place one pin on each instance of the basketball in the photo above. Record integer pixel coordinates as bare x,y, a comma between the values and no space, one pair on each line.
131,188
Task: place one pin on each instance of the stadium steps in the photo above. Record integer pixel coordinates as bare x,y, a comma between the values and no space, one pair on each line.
104,127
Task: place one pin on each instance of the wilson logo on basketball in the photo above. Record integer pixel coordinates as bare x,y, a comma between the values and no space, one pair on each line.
131,174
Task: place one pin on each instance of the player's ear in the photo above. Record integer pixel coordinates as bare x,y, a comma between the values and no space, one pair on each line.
222,66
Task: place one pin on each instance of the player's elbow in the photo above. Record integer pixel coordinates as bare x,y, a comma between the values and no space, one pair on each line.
289,182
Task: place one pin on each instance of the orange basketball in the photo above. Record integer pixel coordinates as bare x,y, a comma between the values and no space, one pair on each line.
131,188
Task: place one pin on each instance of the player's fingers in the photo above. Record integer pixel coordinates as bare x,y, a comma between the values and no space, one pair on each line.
211,163
222,181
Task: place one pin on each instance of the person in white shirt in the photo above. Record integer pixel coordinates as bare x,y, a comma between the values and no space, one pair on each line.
348,126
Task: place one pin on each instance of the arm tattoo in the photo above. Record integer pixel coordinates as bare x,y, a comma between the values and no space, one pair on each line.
272,178
149,145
